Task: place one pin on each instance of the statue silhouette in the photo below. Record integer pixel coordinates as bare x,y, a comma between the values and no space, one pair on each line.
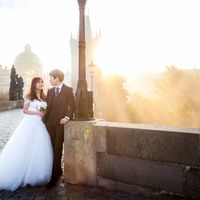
16,86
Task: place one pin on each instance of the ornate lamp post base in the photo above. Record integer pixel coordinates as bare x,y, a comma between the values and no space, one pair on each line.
84,103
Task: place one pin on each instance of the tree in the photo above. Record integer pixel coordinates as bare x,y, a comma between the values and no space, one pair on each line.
176,100
111,97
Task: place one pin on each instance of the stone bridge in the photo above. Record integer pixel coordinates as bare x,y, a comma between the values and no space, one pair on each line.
8,122
117,157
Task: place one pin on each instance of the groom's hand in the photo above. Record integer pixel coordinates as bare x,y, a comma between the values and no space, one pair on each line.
64,121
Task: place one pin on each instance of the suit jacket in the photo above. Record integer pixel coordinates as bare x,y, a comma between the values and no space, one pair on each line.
59,106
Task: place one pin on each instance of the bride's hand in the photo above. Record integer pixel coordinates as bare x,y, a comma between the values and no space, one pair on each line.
41,114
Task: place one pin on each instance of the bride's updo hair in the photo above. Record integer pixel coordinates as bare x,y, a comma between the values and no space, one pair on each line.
32,93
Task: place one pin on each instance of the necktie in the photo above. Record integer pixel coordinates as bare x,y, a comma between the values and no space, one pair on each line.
57,91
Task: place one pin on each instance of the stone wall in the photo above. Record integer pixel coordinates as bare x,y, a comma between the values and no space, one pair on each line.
135,158
7,105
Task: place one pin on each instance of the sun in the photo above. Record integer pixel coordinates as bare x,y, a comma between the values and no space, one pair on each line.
102,58
115,59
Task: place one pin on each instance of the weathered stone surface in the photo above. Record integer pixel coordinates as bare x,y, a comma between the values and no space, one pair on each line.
141,172
7,105
192,181
80,156
134,156
119,186
159,144
99,138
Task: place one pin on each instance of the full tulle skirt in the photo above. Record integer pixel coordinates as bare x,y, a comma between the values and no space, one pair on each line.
27,157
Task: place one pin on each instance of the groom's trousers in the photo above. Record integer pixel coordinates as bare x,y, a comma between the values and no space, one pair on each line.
57,139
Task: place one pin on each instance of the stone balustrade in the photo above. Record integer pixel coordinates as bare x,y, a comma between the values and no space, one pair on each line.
136,158
8,105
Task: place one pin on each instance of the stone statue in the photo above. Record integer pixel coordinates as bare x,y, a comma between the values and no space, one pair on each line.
20,86
16,86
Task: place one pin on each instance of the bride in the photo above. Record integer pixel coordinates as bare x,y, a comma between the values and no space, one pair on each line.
27,157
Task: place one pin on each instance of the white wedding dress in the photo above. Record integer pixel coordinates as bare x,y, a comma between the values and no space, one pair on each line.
27,157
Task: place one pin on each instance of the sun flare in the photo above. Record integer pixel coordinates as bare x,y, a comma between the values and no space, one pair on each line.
110,59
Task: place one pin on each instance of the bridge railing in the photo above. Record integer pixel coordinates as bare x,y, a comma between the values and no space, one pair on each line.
7,105
132,157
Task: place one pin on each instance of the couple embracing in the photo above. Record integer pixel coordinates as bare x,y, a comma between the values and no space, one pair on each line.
32,156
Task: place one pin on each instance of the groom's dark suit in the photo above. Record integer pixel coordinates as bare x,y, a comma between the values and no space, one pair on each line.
58,107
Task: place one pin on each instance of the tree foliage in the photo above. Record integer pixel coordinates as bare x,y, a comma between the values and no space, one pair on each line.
176,100
110,97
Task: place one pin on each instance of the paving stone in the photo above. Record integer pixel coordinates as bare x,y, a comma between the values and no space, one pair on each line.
40,198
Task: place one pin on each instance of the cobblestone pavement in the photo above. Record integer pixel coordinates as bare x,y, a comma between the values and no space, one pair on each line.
8,122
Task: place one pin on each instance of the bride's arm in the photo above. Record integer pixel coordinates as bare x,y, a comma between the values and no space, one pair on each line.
29,112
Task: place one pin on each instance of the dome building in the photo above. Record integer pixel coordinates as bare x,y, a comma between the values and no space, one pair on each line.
28,65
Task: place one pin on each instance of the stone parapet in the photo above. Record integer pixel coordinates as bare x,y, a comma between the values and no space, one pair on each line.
8,105
134,157
166,145
79,152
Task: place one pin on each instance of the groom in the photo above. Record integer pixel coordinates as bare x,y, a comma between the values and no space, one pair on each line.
60,109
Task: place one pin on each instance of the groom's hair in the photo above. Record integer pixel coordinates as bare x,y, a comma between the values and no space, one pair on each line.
57,73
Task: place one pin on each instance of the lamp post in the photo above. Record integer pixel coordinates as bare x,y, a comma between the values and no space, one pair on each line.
84,98
91,67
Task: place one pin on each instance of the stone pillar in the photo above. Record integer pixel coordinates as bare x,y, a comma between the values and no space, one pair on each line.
80,153
83,139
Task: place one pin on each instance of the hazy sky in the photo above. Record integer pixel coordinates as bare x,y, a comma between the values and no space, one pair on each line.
137,35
